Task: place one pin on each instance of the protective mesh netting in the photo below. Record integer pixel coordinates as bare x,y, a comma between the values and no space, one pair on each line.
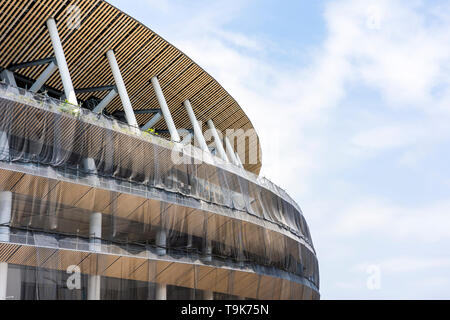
69,163
41,270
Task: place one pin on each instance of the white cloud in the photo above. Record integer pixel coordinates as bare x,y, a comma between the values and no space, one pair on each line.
397,48
405,265
403,57
400,51
386,45
163,6
427,224
387,137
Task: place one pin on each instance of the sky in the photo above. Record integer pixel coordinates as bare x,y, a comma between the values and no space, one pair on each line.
351,101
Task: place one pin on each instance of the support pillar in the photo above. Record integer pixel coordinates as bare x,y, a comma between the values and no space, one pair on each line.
161,291
61,62
3,280
161,242
207,251
5,215
5,220
4,146
165,110
189,241
94,287
197,130
95,245
42,79
95,232
120,84
89,166
208,295
217,140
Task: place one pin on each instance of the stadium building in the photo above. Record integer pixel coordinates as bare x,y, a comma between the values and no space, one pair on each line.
128,172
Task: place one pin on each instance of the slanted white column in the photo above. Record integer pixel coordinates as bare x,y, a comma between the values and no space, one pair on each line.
106,100
153,121
165,110
161,291
120,84
230,151
217,140
161,242
42,79
61,62
5,219
197,130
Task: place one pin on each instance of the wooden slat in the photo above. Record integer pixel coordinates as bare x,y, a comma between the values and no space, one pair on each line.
140,52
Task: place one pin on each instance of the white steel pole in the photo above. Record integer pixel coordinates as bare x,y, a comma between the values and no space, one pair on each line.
197,130
120,84
219,145
62,63
165,110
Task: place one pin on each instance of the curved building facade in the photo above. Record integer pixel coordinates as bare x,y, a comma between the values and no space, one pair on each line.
128,172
